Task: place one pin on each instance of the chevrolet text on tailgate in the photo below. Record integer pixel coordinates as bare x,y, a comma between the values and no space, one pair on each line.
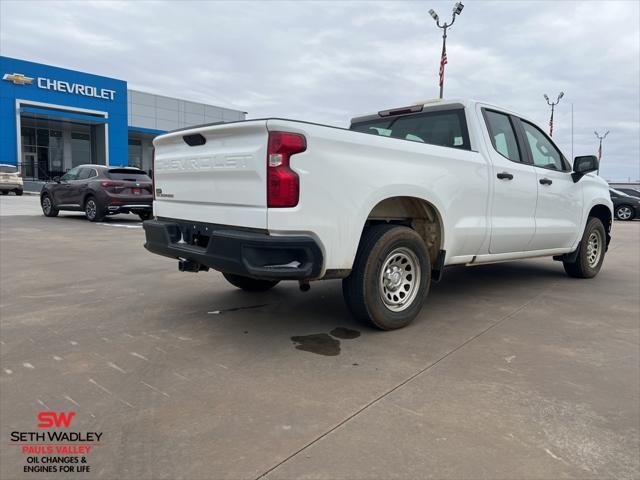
384,205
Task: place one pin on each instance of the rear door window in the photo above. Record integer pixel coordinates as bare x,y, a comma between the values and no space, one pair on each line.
447,128
503,135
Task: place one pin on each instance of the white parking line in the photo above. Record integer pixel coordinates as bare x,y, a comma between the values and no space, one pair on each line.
119,225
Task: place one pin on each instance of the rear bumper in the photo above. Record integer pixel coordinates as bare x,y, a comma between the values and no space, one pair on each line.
228,249
11,186
127,203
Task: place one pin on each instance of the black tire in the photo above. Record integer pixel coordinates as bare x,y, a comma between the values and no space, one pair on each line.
18,192
48,207
93,210
5,192
625,212
145,216
388,303
250,284
586,265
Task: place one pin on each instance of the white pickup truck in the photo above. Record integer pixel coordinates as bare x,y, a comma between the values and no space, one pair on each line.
385,205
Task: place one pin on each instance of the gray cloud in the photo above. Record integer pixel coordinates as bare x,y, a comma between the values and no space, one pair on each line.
329,61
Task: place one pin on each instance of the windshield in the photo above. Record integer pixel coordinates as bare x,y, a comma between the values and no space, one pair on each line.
618,192
8,169
446,128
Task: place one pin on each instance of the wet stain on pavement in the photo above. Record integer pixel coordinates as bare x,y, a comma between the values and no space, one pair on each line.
319,343
323,343
344,333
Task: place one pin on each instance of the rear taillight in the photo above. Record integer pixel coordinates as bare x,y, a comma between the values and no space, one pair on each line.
113,186
283,184
153,172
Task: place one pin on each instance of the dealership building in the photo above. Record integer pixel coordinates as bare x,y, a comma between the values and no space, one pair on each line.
52,119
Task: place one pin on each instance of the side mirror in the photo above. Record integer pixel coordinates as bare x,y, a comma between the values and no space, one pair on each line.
583,165
56,179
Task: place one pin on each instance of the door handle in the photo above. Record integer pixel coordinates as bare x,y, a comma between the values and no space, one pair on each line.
505,176
545,181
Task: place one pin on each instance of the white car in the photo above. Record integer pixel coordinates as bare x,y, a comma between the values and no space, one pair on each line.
10,180
385,205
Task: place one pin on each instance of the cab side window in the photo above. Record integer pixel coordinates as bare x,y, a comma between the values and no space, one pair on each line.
543,152
71,174
84,173
503,135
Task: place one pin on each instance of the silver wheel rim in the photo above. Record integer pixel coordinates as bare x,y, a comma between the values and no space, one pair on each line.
624,213
594,249
399,280
46,205
91,209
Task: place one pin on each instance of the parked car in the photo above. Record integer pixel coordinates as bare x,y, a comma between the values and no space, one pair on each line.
99,191
10,180
385,205
625,206
630,191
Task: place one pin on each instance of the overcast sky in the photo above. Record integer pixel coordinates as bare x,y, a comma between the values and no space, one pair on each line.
328,61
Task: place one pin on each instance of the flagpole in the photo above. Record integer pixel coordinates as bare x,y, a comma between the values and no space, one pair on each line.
457,9
553,105
443,58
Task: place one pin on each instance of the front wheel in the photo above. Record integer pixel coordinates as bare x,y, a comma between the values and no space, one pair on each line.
624,212
5,192
19,192
390,277
591,251
48,208
250,284
93,210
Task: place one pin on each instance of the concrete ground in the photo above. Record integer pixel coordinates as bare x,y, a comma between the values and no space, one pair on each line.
512,371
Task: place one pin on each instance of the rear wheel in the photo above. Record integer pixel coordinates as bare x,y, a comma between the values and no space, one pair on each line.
390,277
93,210
48,208
591,251
250,284
145,216
624,212
5,192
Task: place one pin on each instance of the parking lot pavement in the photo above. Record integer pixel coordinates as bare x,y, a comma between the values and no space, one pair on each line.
510,371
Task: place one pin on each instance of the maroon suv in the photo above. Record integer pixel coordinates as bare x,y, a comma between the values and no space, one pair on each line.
99,190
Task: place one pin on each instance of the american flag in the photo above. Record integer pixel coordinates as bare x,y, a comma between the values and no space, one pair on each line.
443,62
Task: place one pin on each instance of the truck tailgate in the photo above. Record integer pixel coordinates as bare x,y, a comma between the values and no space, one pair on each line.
213,174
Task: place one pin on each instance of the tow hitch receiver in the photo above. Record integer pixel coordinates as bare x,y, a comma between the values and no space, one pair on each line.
189,266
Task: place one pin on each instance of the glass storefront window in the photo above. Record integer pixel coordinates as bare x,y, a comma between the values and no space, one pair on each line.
80,148
135,153
43,137
28,136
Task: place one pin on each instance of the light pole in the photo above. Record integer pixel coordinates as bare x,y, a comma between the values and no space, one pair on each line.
457,10
553,106
600,137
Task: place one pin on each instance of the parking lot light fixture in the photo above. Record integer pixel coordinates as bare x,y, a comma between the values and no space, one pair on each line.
600,137
457,10
553,105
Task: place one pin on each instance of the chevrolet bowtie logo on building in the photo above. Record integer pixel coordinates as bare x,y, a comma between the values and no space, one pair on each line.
17,78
